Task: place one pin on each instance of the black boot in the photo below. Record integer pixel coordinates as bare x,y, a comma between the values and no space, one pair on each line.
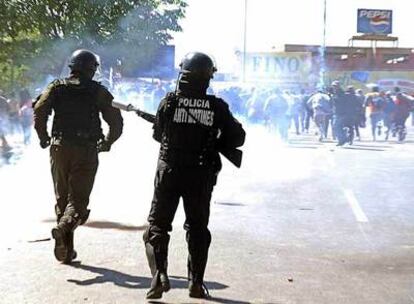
156,249
197,290
198,244
63,234
63,245
160,283
72,253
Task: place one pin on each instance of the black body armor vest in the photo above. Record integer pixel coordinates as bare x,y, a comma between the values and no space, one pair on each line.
76,110
189,132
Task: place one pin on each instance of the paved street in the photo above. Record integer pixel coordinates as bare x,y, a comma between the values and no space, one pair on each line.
303,222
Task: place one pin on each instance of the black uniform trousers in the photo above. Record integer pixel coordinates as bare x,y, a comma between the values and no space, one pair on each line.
194,183
73,171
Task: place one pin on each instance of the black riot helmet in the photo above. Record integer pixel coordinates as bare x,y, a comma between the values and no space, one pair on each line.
84,62
198,65
196,70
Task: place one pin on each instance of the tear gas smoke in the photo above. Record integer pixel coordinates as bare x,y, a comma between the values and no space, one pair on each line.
124,183
322,67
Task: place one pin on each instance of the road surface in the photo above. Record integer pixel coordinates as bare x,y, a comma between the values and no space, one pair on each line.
303,222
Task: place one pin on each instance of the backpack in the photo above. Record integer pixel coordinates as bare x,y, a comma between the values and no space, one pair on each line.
377,102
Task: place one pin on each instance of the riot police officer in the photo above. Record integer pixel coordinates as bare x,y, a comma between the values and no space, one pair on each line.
191,127
76,139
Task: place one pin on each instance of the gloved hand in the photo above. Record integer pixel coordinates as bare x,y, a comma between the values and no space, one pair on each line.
44,143
104,146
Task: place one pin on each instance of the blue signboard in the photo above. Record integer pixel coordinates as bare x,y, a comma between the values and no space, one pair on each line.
372,21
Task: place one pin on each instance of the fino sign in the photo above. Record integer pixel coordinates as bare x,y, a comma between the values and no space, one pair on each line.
287,68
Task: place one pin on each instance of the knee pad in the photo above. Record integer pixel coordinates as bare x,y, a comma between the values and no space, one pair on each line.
146,235
155,236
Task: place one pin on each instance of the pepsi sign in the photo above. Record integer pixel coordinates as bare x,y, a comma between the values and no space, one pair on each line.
371,21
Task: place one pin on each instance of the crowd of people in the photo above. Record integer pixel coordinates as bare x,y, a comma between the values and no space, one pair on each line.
335,112
15,117
334,109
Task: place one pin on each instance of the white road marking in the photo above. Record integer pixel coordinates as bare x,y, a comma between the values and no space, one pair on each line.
368,241
356,208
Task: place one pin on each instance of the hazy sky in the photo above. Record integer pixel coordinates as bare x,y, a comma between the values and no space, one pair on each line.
216,26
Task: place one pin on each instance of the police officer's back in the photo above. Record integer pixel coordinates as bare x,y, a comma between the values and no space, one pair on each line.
192,128
77,102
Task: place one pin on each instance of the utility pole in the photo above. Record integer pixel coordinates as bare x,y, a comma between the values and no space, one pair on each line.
244,41
324,42
324,23
323,53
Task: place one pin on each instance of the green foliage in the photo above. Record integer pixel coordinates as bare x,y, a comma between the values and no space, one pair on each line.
38,35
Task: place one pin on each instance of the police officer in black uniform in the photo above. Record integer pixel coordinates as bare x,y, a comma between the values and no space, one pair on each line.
77,103
191,127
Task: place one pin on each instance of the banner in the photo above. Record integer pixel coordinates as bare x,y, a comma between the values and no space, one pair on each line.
284,68
377,22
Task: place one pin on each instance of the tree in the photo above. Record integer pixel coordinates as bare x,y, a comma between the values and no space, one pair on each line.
41,34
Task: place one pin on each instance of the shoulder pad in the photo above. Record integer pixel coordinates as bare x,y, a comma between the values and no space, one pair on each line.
56,83
171,95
